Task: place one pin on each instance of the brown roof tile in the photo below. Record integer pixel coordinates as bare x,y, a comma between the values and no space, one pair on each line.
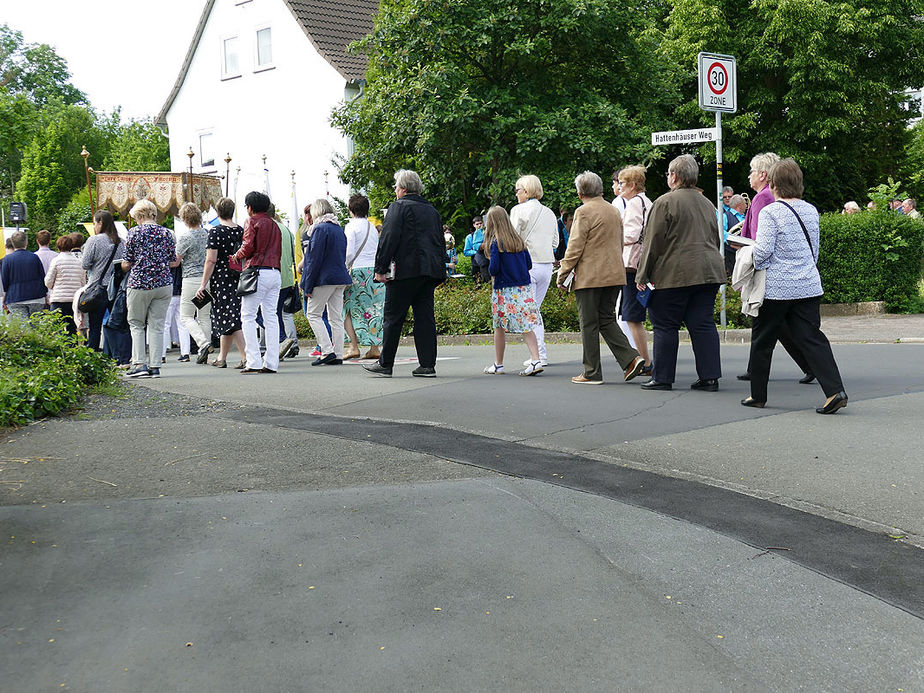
332,25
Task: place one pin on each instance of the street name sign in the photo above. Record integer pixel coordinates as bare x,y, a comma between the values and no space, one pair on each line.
718,83
685,136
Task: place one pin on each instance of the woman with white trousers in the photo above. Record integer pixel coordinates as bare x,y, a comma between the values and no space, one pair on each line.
537,225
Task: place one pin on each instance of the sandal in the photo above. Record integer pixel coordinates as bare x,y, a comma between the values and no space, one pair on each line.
495,369
534,368
219,363
241,366
373,353
351,354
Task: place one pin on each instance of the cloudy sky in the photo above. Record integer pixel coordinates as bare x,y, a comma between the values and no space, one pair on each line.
120,52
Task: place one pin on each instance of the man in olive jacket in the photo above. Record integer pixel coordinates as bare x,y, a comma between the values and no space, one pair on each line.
594,255
412,244
681,258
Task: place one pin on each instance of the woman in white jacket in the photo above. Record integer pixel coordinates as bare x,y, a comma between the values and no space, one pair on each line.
537,225
630,182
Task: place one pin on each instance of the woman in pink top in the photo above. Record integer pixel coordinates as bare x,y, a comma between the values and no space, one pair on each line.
65,276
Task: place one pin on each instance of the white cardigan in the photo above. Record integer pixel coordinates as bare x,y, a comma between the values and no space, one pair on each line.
536,224
749,281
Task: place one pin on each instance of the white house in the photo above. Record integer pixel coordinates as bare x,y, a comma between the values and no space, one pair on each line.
261,78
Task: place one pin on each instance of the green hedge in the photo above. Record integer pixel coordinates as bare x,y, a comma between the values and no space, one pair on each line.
43,370
871,256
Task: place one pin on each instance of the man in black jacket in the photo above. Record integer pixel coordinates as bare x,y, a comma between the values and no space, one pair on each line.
410,260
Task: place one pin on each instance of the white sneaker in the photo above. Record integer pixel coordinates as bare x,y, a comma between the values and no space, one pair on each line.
494,369
542,362
534,368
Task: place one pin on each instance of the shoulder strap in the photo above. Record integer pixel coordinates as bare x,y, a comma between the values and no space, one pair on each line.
804,230
115,247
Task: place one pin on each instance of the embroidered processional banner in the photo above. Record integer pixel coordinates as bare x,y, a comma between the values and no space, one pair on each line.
119,191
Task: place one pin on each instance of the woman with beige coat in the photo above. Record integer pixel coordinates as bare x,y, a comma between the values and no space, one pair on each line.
594,258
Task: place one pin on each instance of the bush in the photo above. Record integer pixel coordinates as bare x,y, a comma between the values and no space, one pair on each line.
871,256
44,370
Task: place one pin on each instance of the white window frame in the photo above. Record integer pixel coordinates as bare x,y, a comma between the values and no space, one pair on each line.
203,164
223,56
257,67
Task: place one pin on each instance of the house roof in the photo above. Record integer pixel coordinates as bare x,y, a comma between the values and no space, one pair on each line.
330,25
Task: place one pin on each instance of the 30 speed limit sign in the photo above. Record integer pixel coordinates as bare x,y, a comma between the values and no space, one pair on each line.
718,83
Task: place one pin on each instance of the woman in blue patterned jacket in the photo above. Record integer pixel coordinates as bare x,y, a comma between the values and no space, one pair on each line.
787,248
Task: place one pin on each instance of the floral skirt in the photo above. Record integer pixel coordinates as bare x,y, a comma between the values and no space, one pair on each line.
513,309
364,302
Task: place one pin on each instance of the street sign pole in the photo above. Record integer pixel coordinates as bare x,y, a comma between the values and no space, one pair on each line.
720,216
718,91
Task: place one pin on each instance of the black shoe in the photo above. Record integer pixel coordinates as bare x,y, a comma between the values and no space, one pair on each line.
424,372
646,370
334,362
267,370
744,376
203,357
184,358
807,379
655,385
378,369
751,402
838,401
325,360
708,385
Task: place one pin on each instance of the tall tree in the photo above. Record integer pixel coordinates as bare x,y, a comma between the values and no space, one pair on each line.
34,80
820,80
138,146
473,93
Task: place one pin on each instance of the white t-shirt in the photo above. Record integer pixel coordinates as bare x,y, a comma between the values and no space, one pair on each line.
355,233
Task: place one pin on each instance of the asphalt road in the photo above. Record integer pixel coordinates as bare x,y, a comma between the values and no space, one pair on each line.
305,532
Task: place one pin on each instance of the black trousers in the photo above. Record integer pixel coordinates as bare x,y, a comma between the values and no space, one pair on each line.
401,294
803,320
693,307
94,337
67,310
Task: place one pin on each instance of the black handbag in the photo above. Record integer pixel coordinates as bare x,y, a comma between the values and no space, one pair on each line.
96,297
248,282
293,302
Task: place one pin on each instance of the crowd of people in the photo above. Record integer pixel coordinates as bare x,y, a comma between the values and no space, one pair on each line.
625,261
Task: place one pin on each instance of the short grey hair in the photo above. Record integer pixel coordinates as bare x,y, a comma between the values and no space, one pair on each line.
320,207
735,201
18,240
409,180
589,184
143,209
762,163
685,170
728,189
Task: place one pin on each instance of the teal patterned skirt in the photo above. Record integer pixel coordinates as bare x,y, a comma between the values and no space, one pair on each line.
364,302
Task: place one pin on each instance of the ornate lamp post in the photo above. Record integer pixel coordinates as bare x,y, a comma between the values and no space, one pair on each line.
189,183
86,155
227,172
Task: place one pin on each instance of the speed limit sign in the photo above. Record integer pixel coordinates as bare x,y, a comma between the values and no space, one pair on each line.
718,83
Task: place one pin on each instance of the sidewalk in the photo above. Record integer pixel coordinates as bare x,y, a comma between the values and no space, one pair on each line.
854,329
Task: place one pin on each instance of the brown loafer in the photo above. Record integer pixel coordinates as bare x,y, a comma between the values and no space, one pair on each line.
581,380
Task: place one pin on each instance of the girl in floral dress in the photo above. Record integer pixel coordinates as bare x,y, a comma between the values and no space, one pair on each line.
512,306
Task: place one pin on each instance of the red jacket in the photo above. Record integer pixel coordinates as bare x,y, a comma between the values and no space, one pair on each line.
262,246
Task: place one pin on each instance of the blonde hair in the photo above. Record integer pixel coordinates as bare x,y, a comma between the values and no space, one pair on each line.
319,208
762,163
191,215
143,209
634,175
498,228
531,185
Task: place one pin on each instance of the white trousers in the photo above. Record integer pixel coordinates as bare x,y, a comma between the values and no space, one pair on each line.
330,297
198,322
173,327
539,277
263,299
